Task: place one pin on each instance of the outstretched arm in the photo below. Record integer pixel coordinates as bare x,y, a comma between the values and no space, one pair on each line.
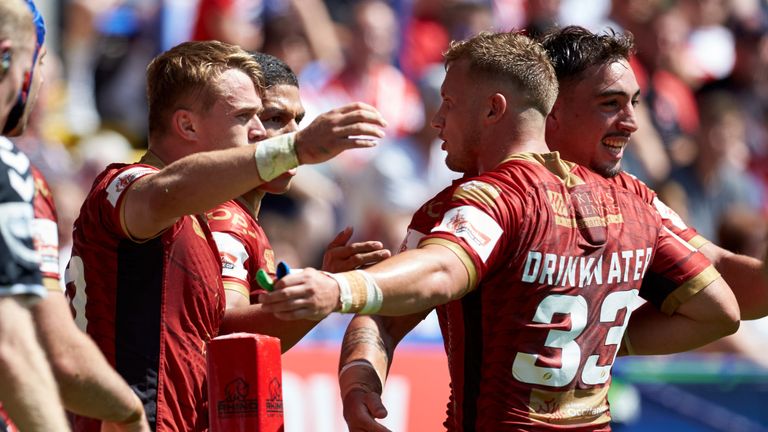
339,256
709,315
745,275
88,384
201,181
366,356
410,282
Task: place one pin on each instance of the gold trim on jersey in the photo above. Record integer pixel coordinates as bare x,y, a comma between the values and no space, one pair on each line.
570,407
698,241
469,265
151,159
477,191
684,292
51,284
238,288
551,161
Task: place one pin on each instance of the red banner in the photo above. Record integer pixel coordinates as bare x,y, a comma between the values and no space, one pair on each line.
415,395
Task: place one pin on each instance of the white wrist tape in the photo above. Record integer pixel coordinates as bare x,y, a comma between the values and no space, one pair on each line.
373,295
276,155
345,291
358,292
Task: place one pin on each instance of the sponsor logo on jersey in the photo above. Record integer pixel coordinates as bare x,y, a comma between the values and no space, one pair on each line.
227,260
588,208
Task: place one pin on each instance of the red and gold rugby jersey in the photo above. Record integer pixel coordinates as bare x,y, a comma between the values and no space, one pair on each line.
45,232
243,247
669,217
556,256
151,306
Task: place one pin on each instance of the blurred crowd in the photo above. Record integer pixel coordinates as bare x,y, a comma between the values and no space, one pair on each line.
702,66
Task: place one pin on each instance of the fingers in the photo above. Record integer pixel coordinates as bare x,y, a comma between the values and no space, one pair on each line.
361,411
374,405
341,238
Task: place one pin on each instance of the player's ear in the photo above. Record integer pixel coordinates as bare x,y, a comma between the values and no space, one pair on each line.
184,124
553,119
497,106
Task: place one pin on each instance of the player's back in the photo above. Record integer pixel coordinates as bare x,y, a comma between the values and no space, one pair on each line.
532,345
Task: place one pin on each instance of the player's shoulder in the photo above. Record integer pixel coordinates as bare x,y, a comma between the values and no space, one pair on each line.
633,184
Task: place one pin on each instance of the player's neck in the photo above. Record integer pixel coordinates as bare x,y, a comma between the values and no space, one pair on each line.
252,200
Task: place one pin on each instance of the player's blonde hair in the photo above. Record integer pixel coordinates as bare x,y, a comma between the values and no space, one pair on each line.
510,57
186,77
16,23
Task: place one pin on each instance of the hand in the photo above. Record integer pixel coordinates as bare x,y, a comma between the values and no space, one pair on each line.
308,294
351,126
341,257
361,409
138,425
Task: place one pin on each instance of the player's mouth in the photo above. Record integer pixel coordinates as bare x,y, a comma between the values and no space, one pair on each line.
615,145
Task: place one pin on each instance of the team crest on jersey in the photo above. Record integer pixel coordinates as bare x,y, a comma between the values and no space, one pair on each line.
480,231
123,180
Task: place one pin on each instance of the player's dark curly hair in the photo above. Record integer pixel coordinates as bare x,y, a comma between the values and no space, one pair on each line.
574,49
275,71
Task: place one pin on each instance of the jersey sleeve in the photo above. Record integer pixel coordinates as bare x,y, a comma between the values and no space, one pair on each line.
471,225
20,272
675,223
677,273
234,257
111,194
669,217
45,233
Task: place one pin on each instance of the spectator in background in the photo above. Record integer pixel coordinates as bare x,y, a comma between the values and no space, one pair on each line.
403,175
717,179
367,73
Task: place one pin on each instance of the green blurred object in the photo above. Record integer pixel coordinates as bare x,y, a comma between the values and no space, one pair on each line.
264,280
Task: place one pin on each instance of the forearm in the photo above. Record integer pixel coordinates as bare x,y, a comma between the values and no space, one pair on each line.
252,319
420,279
746,277
88,384
368,349
27,382
365,356
199,182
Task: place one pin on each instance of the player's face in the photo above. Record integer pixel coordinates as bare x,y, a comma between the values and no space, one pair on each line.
594,117
282,114
38,77
233,119
458,119
20,63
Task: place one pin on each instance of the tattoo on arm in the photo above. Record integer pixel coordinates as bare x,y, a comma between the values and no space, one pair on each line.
363,336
